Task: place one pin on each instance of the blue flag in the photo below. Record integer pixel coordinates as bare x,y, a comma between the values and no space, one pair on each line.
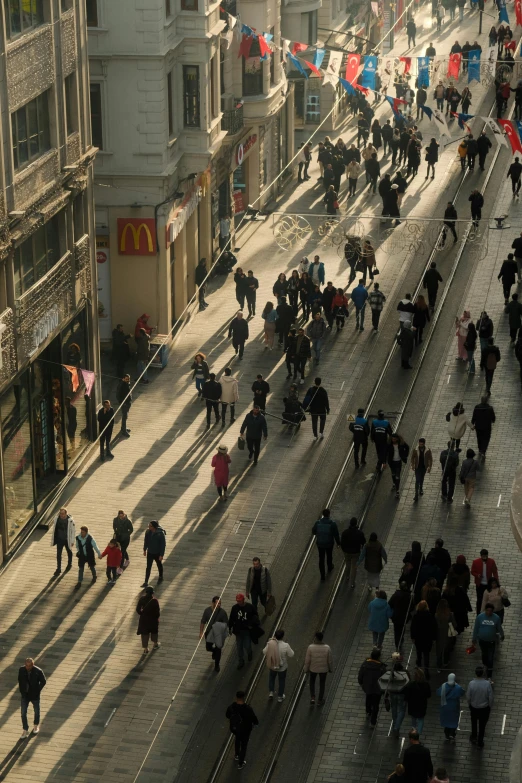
319,57
502,11
427,111
518,123
462,118
474,65
347,86
423,79
297,64
368,72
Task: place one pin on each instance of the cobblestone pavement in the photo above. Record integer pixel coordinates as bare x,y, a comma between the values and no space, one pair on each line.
348,750
103,704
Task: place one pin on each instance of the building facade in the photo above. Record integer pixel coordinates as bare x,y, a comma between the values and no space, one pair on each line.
48,323
181,146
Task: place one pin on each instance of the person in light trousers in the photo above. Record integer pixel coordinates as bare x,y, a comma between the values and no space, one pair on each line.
276,655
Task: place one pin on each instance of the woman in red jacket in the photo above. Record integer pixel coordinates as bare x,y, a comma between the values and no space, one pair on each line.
340,308
113,552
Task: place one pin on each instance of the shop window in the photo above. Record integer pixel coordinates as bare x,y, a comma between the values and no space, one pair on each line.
167,8
76,406
311,27
30,130
191,113
213,101
17,456
253,71
71,111
92,13
78,217
313,103
189,5
34,257
23,15
169,104
96,115
47,392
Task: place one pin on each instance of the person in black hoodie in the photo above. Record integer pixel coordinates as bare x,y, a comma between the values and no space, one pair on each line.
398,451
431,282
402,604
484,146
442,559
242,720
31,682
123,528
488,362
477,202
124,397
483,419
352,541
261,390
508,275
154,550
317,404
212,395
449,461
423,631
368,678
238,331
241,619
514,171
106,426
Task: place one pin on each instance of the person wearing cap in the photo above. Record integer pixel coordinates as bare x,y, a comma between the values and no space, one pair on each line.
154,550
379,432
220,463
254,424
143,323
361,431
148,609
242,618
214,624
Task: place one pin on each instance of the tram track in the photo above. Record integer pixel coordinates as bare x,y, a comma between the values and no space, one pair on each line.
279,739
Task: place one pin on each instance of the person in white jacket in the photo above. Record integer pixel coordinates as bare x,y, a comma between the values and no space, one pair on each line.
304,266
229,395
276,655
458,421
63,535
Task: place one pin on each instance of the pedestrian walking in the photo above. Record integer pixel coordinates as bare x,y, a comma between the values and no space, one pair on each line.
370,672
417,692
518,354
200,372
429,570
339,308
200,279
154,549
352,542
293,292
269,315
123,529
423,631
353,172
316,333
276,653
513,311
406,309
484,329
446,633
361,431
411,29
251,286
331,199
229,395
470,345
497,596
142,355
63,536
326,535
31,682
242,720
220,462
417,761
458,602
460,572
374,557
441,557
468,476
431,282
517,247
105,427
457,423
398,451
431,594
124,398
359,295
298,352
484,145
261,389
413,561
486,632
243,617
480,700
461,325
508,274
258,583
317,271
401,605
482,570
421,463
387,135
406,340
254,424
214,626
316,403
391,204
472,151
515,172
483,419
379,619
449,711
211,393
86,547
476,200
113,554
421,317
394,680
488,362
238,331
318,661
379,432
432,157
376,301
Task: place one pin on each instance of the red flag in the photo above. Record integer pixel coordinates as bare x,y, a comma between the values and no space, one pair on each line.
74,376
511,133
518,12
263,46
314,70
396,103
407,63
454,65
511,45
299,47
364,90
352,67
245,45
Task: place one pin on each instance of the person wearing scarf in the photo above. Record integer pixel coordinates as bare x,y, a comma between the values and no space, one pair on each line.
450,694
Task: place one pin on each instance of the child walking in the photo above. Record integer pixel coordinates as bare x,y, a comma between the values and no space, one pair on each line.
113,552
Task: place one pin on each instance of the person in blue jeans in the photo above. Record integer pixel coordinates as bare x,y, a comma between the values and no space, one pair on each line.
417,692
241,619
200,371
31,682
316,332
276,655
359,296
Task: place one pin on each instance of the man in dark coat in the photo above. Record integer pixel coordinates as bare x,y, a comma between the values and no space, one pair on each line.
123,528
514,313
488,362
31,682
238,330
484,146
406,341
441,558
508,275
477,202
148,609
431,282
298,352
316,402
252,285
384,186
154,549
515,171
368,678
373,171
418,766
200,278
124,397
390,204
120,349
242,720
285,319
212,394
483,419
254,424
449,461
106,426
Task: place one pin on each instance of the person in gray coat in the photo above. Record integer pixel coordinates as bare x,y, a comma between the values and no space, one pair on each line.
258,583
406,341
468,476
255,425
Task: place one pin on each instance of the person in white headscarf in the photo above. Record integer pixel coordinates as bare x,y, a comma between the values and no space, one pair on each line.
450,694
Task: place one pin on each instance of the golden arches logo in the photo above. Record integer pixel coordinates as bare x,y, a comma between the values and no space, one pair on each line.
136,231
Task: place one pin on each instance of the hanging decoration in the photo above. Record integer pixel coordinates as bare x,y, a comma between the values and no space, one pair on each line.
474,65
352,67
462,120
423,68
315,71
454,65
245,45
502,11
512,134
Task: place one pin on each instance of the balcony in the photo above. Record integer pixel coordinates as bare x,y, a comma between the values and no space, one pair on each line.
82,267
7,346
232,120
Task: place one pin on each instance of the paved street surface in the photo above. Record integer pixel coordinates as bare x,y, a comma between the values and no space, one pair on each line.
103,703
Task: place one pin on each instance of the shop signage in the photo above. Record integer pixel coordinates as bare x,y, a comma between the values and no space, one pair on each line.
244,147
136,237
180,221
45,326
239,204
104,287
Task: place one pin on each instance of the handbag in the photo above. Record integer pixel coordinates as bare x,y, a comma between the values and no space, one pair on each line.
336,204
452,631
240,443
505,601
376,271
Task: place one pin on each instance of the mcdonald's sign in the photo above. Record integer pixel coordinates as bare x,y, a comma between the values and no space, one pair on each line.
136,237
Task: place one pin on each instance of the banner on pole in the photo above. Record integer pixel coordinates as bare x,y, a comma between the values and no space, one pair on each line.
474,65
369,71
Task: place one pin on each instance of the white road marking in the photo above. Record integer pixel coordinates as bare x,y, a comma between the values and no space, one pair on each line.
111,716
498,504
342,384
449,376
223,555
503,724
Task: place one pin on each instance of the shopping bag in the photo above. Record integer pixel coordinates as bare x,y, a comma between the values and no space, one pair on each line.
241,444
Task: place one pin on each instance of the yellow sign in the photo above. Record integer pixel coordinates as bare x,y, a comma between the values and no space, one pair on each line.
141,244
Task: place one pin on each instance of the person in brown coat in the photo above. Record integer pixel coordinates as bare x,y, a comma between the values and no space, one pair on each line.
148,610
373,555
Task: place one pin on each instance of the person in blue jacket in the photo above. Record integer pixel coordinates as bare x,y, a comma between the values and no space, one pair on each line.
379,619
450,694
316,271
326,535
359,296
486,631
379,432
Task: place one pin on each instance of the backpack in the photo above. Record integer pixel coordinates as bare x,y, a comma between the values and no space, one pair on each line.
491,361
236,721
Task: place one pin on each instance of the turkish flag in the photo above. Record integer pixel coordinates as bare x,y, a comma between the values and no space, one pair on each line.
299,47
314,70
454,65
396,103
263,46
352,67
407,63
512,134
245,45
518,12
511,45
